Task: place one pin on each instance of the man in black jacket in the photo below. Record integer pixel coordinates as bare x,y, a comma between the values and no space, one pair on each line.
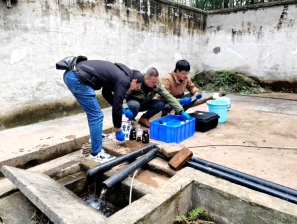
93,75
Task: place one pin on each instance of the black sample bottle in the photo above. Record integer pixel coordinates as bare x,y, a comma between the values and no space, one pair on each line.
145,137
132,134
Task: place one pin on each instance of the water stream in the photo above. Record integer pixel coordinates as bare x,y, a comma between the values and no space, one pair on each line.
100,202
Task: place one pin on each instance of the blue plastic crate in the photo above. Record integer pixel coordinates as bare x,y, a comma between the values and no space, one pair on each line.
173,128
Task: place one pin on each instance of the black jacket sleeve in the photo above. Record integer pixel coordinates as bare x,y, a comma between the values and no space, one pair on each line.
118,98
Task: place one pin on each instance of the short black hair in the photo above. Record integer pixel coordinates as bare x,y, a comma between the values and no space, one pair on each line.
151,72
138,76
182,65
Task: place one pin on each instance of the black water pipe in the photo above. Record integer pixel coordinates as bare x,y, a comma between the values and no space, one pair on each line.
122,174
242,182
245,176
101,168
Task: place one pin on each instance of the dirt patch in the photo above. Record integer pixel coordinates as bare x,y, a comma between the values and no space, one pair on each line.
150,178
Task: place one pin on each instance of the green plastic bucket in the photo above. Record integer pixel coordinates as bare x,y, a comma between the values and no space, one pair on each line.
220,107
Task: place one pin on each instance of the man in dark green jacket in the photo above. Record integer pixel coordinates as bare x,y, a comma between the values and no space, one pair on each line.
143,99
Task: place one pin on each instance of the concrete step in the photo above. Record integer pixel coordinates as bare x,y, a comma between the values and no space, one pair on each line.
52,198
7,187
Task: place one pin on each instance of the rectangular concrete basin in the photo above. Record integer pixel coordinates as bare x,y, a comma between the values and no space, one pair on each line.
224,201
227,203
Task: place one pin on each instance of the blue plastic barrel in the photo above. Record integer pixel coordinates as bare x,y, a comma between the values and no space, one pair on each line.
220,107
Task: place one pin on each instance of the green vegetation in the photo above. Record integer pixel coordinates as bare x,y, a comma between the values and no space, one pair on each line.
284,90
180,218
268,89
226,81
193,215
234,82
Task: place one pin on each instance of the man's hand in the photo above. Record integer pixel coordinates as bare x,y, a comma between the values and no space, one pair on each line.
185,100
128,113
120,135
185,115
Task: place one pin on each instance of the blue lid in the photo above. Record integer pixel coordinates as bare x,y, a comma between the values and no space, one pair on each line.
217,102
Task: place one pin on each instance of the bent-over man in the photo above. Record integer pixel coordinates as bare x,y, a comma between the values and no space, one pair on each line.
92,75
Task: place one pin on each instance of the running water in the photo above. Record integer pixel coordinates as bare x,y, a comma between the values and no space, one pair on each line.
99,202
91,197
102,195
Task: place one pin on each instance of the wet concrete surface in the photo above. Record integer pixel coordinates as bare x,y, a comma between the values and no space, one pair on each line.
278,105
284,96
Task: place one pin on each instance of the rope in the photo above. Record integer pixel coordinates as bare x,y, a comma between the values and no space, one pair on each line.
130,198
248,146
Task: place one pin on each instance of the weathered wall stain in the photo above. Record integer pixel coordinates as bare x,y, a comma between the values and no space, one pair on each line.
283,17
36,34
84,5
144,12
258,41
247,29
33,114
10,3
216,50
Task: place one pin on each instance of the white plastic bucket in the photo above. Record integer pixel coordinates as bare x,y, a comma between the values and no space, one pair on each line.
220,107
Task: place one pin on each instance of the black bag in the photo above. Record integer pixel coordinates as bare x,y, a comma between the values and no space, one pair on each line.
205,121
68,63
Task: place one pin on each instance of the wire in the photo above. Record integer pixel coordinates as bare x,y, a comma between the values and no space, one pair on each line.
132,186
248,146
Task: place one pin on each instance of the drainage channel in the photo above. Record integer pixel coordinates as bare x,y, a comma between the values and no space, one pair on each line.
75,179
45,154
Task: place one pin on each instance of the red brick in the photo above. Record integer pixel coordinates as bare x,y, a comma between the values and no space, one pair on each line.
172,150
180,159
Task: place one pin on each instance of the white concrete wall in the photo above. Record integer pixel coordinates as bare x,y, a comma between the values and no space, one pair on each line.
258,42
34,35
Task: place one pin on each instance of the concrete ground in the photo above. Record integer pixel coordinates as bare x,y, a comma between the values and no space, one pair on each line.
254,121
251,121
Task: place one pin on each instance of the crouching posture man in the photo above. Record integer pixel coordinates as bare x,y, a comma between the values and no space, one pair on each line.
176,82
92,75
142,99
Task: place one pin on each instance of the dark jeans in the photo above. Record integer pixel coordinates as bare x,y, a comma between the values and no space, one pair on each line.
169,108
86,97
153,107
